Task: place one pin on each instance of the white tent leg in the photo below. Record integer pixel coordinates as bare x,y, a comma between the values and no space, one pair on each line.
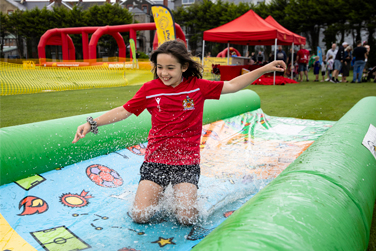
228,53
292,61
203,53
275,57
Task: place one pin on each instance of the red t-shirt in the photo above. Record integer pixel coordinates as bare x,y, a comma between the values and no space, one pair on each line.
303,56
176,118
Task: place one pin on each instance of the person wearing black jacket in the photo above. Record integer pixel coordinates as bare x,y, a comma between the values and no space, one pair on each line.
346,64
340,56
360,54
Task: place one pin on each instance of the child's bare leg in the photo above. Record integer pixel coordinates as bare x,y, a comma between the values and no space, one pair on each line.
186,203
146,200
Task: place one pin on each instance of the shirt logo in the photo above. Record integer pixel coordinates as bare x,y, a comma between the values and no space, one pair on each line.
188,104
158,100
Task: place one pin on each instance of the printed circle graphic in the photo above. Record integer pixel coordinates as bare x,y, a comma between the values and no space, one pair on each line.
163,23
104,176
60,240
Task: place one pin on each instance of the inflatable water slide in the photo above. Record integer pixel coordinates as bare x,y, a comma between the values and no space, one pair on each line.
267,183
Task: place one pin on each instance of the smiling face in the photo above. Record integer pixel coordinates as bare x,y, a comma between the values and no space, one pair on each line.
169,70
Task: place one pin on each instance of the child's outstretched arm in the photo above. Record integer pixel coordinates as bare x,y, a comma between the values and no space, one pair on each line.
242,81
109,117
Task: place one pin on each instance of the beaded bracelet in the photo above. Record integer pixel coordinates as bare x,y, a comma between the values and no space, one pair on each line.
93,124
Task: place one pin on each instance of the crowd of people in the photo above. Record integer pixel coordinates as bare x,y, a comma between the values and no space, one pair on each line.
335,64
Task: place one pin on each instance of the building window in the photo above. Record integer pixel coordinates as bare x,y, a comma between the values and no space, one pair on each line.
188,1
130,7
10,12
145,8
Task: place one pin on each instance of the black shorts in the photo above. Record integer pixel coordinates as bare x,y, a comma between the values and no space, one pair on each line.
163,174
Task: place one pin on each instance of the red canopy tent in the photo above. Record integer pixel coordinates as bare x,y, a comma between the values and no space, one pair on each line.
248,29
297,38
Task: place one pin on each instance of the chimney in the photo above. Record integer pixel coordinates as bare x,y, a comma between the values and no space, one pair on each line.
51,1
165,3
108,1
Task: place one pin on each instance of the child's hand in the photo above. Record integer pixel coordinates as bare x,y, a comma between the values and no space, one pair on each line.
277,65
82,130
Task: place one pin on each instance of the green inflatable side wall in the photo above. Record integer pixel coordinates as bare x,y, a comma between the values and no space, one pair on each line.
39,147
323,201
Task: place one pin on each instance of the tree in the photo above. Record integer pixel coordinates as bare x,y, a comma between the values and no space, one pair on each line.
30,25
4,21
77,19
108,14
207,15
307,17
276,9
35,22
15,24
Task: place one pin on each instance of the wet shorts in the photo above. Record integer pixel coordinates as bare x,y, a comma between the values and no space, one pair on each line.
163,174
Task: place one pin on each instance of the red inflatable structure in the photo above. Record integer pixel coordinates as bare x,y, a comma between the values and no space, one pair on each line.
223,54
60,36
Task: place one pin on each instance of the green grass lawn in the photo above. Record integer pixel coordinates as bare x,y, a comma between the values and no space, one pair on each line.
307,100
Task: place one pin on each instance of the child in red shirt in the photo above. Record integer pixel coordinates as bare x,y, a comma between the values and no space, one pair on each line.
175,100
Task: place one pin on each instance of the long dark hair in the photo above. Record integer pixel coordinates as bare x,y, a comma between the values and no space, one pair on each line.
179,51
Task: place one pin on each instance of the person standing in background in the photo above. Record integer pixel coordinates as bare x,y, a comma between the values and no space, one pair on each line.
368,48
260,58
316,68
253,57
271,57
329,66
289,61
360,54
302,58
331,52
338,60
323,68
346,64
312,59
281,55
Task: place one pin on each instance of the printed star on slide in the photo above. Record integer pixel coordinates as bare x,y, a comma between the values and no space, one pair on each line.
163,242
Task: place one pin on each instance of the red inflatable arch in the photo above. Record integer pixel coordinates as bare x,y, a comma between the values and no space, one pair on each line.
223,54
59,36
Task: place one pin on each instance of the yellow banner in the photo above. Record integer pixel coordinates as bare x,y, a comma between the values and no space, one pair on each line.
164,22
